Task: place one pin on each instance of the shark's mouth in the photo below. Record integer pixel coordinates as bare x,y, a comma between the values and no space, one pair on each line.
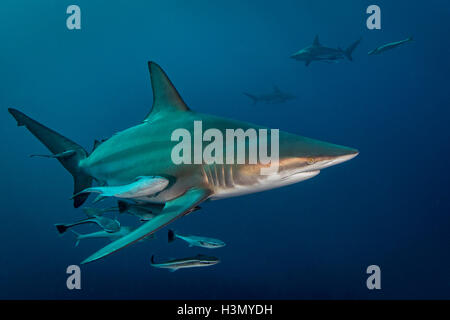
299,176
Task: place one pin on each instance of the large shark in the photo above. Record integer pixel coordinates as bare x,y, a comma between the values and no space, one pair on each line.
277,96
317,52
145,151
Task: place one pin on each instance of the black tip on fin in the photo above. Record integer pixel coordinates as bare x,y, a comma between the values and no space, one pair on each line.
153,259
170,236
61,228
17,115
123,206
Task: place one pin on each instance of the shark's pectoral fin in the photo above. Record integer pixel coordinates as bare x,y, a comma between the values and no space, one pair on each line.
173,210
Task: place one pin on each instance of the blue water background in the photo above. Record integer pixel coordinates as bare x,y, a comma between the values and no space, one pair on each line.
389,206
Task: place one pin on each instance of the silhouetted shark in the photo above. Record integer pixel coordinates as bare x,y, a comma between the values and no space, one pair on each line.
277,96
317,52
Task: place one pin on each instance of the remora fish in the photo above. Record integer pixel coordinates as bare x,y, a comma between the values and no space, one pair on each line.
144,211
317,52
389,46
146,150
107,224
124,230
92,212
199,260
197,241
142,187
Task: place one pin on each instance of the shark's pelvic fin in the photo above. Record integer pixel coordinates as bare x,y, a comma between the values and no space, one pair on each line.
61,147
166,98
174,209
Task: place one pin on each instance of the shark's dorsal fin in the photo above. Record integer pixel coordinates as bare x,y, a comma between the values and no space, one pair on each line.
166,98
96,144
316,41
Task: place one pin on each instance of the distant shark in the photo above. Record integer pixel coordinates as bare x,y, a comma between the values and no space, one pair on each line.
317,52
144,151
389,46
277,96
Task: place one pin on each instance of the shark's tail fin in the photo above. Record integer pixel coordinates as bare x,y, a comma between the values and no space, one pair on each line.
170,236
67,152
348,52
254,98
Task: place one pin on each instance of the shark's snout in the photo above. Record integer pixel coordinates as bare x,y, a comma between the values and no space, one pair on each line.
350,154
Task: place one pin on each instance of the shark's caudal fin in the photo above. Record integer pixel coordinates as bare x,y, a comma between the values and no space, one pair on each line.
166,98
348,52
67,152
254,98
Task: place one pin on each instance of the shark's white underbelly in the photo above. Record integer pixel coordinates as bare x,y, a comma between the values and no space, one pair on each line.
225,184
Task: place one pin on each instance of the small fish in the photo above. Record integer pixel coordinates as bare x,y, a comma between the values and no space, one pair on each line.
199,260
107,224
140,188
123,231
144,211
196,241
93,212
389,46
65,154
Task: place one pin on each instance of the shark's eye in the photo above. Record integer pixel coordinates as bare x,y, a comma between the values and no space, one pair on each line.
310,160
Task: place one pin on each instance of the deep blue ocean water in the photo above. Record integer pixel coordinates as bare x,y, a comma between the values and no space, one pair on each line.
388,207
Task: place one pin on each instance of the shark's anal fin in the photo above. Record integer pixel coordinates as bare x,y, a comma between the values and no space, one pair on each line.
174,209
166,98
